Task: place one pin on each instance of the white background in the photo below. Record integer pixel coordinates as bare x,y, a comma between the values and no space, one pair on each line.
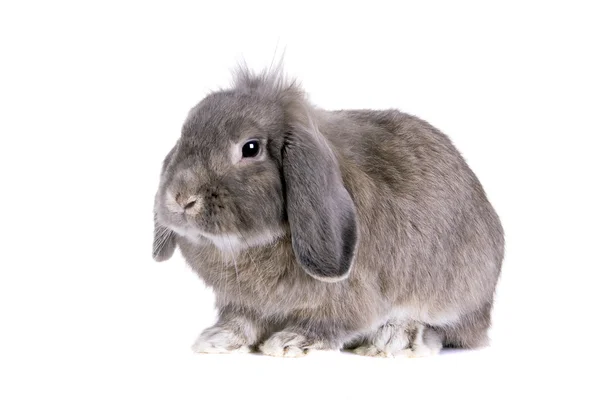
92,96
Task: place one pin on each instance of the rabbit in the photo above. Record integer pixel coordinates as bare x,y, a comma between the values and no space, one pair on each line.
355,230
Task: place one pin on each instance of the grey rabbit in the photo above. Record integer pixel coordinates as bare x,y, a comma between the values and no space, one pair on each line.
353,229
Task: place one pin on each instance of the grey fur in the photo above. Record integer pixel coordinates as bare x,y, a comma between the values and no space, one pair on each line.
349,222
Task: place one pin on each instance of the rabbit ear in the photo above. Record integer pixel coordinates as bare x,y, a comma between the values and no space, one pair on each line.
164,242
164,238
320,211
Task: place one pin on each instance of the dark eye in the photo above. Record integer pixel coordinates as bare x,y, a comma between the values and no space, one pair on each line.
250,149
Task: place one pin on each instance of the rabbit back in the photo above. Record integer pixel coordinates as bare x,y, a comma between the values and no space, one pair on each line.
430,240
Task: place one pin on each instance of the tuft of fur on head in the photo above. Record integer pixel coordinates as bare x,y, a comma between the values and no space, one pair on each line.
272,82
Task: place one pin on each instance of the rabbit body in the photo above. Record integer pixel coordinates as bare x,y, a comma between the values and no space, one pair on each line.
425,245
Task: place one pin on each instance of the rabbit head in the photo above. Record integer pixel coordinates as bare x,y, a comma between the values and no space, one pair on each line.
251,167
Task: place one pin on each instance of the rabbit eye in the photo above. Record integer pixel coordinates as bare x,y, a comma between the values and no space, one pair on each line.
250,149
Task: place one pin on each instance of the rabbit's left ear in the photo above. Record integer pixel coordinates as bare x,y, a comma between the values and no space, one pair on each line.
320,210
164,242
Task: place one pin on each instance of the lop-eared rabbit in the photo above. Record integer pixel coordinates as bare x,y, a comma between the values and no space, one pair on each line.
355,229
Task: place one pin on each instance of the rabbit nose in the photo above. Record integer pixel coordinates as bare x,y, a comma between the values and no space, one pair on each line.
186,203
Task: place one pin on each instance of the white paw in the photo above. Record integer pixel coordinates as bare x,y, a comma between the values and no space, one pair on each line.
429,344
218,340
371,350
287,344
390,341
423,351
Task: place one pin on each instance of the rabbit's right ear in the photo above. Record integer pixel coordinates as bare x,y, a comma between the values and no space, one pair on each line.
164,238
164,242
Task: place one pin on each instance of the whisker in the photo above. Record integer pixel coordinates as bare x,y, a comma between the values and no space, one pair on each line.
162,236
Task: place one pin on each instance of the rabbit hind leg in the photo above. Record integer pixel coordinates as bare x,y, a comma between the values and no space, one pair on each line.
470,331
398,339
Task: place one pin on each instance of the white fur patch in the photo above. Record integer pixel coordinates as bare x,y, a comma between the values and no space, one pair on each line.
371,350
225,243
287,344
262,239
231,243
422,314
393,340
191,234
427,343
217,340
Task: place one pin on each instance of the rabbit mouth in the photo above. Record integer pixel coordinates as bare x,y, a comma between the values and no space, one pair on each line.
217,227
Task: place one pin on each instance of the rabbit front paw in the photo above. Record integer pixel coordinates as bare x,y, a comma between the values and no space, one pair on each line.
220,340
289,344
